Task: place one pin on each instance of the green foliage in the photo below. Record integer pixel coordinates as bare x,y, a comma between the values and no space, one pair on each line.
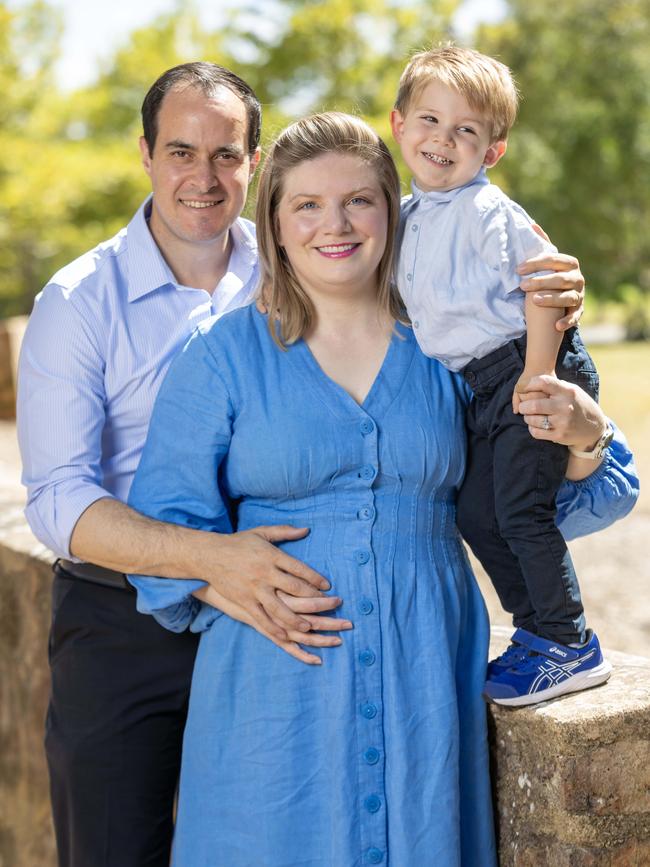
578,158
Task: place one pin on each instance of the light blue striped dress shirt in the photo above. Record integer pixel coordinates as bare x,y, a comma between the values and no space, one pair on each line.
97,346
457,269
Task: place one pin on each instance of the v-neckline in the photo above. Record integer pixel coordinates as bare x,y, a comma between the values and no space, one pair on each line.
394,366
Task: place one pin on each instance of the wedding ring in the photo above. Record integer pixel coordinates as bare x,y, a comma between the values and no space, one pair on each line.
546,424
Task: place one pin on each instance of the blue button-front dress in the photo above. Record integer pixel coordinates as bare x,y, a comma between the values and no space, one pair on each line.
379,756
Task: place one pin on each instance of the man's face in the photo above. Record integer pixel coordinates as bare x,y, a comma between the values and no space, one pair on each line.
199,169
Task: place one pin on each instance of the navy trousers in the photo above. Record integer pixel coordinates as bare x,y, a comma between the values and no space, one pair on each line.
506,506
120,687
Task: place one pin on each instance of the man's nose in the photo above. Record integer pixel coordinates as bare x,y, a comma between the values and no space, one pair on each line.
204,174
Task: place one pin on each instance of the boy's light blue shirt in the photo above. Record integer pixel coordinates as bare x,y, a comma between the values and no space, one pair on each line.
456,270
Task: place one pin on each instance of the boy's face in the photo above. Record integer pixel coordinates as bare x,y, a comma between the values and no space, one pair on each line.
444,142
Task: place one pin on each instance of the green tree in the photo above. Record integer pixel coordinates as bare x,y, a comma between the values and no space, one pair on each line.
579,157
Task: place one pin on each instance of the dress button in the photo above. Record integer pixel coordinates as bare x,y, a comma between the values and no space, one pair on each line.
367,657
375,856
367,513
369,710
371,756
364,606
362,557
367,472
367,426
372,803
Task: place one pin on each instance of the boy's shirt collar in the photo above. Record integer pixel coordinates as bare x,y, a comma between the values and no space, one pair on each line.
439,197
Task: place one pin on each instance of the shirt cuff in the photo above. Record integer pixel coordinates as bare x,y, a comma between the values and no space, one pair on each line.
607,495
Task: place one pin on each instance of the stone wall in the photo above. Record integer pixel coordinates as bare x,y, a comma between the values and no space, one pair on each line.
571,777
25,826
11,335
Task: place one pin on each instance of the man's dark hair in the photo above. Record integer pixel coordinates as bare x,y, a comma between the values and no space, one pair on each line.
208,77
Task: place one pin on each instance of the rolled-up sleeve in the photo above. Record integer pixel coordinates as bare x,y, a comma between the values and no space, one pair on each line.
604,497
177,480
60,417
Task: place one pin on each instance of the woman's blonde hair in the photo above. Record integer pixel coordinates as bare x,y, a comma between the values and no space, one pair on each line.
307,139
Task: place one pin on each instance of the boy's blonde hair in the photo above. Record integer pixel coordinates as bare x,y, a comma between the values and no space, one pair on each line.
307,139
486,84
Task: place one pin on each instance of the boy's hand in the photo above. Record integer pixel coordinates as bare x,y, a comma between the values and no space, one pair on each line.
524,392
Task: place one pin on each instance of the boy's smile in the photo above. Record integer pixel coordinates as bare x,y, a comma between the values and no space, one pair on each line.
443,140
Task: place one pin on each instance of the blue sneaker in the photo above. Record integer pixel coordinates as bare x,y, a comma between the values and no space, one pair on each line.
549,670
512,655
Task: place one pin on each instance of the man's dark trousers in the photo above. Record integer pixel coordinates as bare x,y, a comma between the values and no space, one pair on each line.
506,506
120,688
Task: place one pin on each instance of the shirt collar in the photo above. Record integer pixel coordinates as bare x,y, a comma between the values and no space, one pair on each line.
436,197
148,270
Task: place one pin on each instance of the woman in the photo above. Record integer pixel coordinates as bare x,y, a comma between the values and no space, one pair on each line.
327,414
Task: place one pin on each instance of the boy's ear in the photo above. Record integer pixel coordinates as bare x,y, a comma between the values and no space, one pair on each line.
397,124
494,153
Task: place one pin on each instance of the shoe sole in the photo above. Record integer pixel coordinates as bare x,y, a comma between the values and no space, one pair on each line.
584,680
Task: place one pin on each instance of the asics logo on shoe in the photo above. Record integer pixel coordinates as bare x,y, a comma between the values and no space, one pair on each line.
558,652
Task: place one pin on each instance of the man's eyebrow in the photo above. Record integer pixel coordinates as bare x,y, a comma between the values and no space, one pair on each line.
178,144
182,145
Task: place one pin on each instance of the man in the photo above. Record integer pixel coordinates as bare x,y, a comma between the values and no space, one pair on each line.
98,344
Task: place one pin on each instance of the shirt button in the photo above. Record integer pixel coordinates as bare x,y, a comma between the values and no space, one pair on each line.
367,472
369,710
367,657
367,427
364,606
409,277
416,324
375,856
414,227
372,803
371,756
362,557
367,513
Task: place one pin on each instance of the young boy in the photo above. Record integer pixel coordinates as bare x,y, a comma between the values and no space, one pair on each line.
462,241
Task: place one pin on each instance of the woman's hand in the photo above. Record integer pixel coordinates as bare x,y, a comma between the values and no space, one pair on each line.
311,609
563,413
564,287
248,569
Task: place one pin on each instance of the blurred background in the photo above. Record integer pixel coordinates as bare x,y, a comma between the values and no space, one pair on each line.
73,75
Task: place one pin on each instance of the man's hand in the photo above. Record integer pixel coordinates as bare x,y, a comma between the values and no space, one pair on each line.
245,568
565,287
248,570
311,608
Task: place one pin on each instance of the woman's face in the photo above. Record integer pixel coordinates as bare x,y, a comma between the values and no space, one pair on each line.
332,222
